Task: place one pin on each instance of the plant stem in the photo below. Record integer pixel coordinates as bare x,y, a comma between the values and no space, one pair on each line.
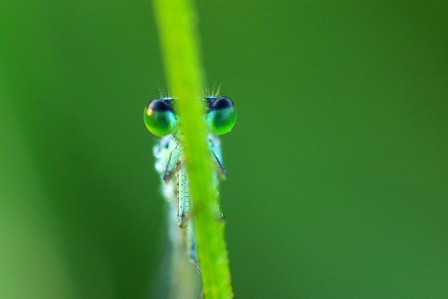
180,48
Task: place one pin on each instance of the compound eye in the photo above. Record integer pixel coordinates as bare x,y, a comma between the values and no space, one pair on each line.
221,116
159,117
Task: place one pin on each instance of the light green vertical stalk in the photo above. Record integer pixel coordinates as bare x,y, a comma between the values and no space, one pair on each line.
180,48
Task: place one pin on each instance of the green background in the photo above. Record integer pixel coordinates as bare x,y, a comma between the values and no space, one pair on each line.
337,167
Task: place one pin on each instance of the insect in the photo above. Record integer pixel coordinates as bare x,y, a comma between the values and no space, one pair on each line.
161,120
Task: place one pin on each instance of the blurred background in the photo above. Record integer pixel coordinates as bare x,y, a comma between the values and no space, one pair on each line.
337,168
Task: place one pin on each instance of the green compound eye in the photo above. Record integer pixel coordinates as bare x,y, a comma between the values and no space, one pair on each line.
159,117
221,116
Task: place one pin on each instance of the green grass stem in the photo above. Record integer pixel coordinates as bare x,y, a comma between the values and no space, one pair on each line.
176,21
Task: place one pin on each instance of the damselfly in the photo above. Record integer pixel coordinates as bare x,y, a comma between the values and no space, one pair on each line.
161,120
